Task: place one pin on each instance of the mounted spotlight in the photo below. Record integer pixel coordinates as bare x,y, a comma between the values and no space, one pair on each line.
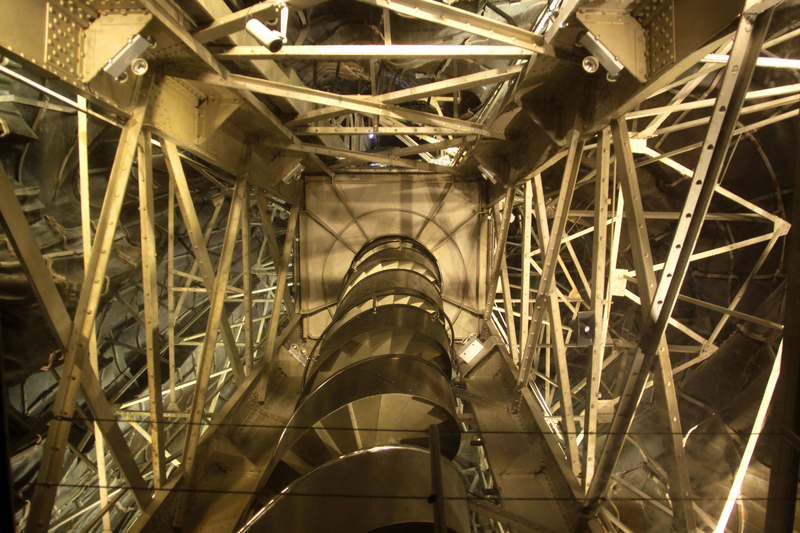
583,327
272,39
487,174
295,173
602,55
129,57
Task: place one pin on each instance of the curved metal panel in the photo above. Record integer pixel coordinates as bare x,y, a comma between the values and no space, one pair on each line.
396,242
377,384
389,318
364,491
389,282
390,256
413,379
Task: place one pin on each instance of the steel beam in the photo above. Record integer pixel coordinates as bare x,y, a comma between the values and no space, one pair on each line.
548,297
171,316
217,201
361,156
547,279
247,283
509,307
526,267
598,303
86,237
380,131
748,41
150,292
461,83
750,448
192,224
206,358
676,107
282,268
78,343
427,148
500,251
272,243
676,103
365,51
683,519
367,106
465,21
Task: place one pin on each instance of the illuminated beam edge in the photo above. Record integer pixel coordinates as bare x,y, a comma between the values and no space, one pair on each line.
365,51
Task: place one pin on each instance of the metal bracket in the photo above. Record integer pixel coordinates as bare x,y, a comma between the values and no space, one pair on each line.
617,40
299,353
106,36
213,114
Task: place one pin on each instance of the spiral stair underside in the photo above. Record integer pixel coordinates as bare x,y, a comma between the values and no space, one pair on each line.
354,456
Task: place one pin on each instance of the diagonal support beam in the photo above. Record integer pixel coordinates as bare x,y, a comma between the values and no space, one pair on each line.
551,302
361,156
247,283
465,21
272,243
150,291
481,79
215,316
22,240
525,300
199,247
86,237
547,279
747,43
281,289
352,103
77,346
683,517
500,251
600,244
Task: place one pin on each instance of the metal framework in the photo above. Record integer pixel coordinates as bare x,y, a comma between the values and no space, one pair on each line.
208,115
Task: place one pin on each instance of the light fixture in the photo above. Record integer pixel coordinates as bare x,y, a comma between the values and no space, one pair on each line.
295,173
129,57
601,55
271,39
487,174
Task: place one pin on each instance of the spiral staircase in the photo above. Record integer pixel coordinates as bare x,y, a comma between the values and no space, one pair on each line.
376,382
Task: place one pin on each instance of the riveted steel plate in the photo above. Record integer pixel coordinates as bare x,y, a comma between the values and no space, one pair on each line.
443,216
64,39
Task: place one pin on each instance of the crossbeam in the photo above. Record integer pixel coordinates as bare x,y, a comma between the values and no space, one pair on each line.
452,17
368,51
461,83
361,105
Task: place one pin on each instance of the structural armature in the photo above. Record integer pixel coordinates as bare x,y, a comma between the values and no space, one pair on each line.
399,265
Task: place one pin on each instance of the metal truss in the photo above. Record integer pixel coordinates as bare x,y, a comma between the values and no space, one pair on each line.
573,403
157,426
616,208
